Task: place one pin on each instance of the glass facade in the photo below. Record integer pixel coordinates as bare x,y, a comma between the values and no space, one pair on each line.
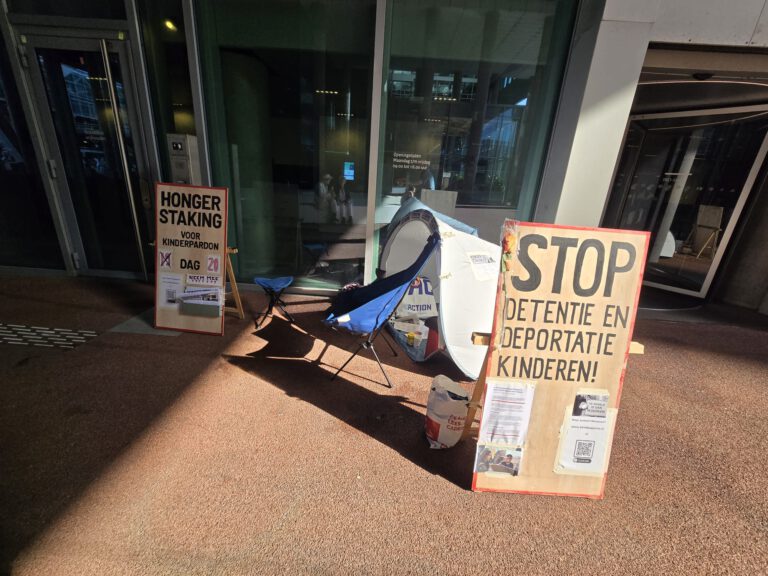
471,90
287,93
165,47
27,234
288,88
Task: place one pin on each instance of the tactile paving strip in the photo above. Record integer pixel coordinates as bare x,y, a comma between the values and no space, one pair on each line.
21,335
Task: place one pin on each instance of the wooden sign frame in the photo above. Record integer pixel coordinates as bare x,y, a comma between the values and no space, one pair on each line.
563,321
190,255
237,309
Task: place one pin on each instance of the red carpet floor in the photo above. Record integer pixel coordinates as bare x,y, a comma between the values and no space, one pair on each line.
142,454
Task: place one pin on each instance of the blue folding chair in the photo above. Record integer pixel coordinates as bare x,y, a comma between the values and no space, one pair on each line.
364,311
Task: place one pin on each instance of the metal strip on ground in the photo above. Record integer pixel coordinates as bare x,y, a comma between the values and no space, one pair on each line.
40,336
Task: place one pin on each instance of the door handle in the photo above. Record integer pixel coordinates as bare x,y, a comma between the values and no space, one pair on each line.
146,197
52,172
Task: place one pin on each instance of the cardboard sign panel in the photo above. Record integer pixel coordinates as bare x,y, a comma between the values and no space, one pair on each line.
190,252
565,310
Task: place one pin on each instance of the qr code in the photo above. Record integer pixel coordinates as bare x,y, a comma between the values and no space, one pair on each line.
584,450
170,296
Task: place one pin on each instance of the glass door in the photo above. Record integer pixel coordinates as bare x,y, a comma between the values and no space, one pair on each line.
84,95
685,178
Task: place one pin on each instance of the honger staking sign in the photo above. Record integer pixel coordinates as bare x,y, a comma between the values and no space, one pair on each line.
565,310
191,245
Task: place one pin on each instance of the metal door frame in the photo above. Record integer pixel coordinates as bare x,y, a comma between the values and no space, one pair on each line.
32,37
746,190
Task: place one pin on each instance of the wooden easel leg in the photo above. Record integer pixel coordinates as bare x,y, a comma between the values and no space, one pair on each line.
238,307
477,395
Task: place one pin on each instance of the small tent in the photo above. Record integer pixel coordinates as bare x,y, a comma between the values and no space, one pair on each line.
462,274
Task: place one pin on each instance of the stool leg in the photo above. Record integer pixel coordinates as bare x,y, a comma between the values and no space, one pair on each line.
282,305
270,307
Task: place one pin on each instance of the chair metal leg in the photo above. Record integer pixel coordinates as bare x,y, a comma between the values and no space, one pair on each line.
360,347
370,345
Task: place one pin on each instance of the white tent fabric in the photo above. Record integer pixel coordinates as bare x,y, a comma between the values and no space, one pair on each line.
464,275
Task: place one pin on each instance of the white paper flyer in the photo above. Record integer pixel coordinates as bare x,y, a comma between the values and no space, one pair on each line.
586,433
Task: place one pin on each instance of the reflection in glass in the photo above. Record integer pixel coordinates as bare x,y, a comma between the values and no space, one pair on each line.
472,89
78,97
166,50
289,84
27,235
681,178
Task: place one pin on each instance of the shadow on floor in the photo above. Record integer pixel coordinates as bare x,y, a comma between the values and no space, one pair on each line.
301,365
69,302
67,416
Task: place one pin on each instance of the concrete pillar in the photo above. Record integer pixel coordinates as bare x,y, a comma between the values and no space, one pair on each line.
597,97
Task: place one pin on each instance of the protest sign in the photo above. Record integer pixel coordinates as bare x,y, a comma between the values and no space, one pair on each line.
190,252
565,310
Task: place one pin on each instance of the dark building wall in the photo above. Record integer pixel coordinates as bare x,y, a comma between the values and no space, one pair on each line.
743,281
